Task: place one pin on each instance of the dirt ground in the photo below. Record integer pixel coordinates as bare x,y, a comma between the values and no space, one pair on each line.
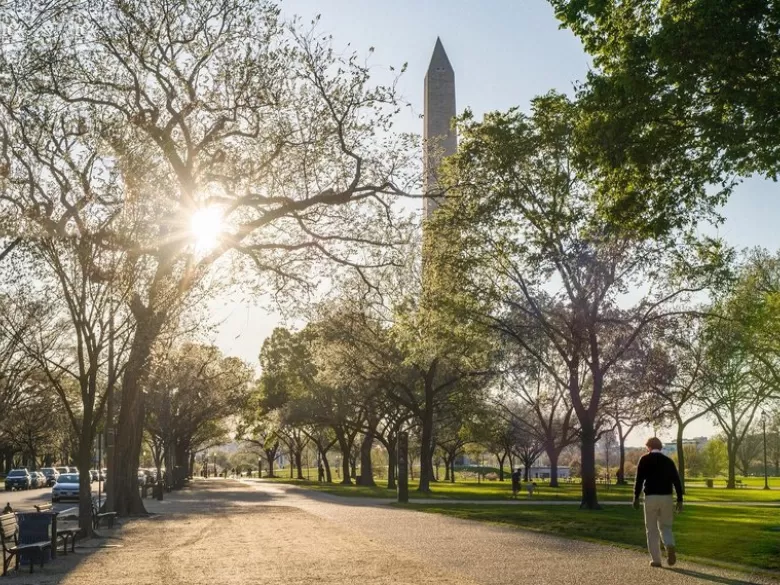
205,538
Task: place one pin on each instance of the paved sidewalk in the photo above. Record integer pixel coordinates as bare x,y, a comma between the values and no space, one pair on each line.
226,532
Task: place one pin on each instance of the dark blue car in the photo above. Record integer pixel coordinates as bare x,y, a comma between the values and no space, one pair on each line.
18,479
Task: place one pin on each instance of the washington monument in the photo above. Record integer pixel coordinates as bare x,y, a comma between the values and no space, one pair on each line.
439,139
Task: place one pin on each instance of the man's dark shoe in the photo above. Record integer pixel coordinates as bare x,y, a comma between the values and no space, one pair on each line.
654,564
671,555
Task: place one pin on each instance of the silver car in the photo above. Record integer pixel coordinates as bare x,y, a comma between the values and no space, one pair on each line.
66,488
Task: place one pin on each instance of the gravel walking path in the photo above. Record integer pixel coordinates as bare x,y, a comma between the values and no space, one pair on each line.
230,533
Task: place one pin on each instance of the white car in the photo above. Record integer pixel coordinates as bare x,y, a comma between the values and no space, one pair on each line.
66,488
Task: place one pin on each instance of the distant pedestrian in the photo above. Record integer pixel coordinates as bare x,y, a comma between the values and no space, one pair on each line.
321,473
656,474
531,486
516,477
8,509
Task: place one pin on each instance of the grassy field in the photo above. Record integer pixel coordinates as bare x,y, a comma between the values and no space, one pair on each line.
740,535
495,490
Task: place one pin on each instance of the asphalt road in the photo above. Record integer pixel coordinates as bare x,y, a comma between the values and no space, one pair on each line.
22,501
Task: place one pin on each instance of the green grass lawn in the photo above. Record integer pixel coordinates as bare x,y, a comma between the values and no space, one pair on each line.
740,535
495,490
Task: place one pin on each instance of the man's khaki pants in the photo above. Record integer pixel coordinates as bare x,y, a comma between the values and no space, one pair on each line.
659,515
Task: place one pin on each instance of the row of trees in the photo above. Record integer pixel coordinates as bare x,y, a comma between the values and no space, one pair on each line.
120,122
530,297
567,238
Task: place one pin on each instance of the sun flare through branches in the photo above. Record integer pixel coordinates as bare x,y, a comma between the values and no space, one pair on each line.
206,227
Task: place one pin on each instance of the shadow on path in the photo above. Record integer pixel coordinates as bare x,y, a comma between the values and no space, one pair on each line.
711,578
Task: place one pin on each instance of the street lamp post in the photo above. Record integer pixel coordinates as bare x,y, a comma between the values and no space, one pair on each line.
763,426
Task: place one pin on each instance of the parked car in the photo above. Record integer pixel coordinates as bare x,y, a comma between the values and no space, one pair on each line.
72,469
51,475
62,470
37,480
93,473
151,476
102,475
18,479
141,477
66,488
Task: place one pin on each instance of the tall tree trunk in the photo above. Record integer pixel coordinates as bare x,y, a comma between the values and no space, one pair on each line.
324,460
680,452
85,480
432,466
270,457
452,471
299,463
447,459
501,460
621,472
392,462
553,455
588,465
345,448
366,468
178,465
426,473
328,473
129,430
352,465
732,453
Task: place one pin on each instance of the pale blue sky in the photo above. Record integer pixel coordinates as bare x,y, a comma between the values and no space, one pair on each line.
504,52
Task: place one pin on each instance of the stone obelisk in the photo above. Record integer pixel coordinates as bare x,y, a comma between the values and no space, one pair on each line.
439,138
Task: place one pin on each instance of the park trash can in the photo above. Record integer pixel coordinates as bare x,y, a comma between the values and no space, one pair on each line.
709,483
34,527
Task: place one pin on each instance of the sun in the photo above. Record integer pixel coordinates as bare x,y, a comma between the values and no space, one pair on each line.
206,227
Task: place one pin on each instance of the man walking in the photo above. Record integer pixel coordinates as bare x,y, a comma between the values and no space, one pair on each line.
657,475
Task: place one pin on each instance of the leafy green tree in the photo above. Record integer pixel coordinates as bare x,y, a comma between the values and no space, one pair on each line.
741,365
262,432
536,402
494,430
714,458
534,259
677,365
191,391
454,429
70,326
216,110
693,460
749,451
683,90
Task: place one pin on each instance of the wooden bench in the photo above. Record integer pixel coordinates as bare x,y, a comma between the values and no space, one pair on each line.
97,516
61,535
9,539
